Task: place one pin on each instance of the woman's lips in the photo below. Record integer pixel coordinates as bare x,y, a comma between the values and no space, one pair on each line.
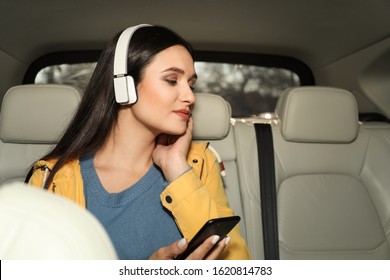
185,114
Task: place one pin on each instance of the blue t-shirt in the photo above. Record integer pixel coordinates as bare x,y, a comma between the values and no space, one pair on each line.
135,219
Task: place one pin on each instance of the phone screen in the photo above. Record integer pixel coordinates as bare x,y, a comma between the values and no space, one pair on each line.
218,226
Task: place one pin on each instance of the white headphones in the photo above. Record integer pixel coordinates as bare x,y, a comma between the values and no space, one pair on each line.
124,88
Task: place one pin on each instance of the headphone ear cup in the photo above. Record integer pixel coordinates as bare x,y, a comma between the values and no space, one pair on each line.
125,91
124,88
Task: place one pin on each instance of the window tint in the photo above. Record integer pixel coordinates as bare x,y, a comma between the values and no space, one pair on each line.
251,90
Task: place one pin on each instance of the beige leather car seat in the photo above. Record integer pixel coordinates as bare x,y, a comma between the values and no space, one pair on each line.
211,115
332,179
32,118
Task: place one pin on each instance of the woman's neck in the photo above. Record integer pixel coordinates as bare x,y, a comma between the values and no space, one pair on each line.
125,157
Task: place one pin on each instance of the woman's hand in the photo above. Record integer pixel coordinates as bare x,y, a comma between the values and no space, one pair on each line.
171,152
209,250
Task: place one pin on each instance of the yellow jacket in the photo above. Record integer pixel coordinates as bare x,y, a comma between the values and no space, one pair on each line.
193,198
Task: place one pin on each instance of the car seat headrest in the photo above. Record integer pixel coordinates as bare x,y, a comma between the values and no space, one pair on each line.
37,113
36,224
318,114
211,116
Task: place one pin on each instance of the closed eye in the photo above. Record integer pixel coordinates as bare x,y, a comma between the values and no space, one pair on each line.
171,82
192,82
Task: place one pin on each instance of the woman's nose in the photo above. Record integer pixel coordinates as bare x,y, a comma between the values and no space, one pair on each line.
188,95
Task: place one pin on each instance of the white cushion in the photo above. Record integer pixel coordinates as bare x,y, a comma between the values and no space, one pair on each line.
36,224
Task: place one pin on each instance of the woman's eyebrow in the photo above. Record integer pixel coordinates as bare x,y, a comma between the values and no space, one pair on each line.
180,71
174,69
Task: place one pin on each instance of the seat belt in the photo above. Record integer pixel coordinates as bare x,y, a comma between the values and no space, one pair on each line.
265,150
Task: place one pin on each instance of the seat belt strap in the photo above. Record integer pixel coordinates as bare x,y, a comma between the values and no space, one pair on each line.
265,150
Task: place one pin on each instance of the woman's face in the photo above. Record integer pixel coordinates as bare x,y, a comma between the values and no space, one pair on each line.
165,96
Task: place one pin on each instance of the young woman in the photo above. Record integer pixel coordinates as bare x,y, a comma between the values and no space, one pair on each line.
134,166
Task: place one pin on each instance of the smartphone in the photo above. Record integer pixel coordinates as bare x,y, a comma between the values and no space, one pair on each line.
218,226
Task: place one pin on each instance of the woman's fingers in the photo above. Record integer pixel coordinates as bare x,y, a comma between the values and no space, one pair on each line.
210,249
170,251
218,249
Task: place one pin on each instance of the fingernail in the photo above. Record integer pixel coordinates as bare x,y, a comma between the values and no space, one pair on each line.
227,240
182,243
215,239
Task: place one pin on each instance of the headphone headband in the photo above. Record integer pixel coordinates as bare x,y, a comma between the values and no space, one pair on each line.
125,92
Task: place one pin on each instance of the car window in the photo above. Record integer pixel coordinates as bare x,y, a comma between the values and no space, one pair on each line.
76,74
251,90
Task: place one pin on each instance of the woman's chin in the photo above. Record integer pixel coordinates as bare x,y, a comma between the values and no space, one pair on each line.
176,132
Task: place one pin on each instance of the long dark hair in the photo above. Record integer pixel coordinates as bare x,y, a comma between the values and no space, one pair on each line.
98,110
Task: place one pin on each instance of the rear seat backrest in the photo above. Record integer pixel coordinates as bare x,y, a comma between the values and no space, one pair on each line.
32,119
380,129
211,117
332,179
